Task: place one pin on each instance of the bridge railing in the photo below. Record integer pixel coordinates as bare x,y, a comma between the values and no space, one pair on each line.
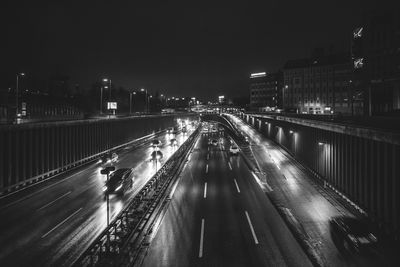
119,243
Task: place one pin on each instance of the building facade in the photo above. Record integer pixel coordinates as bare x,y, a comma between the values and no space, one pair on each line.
320,85
376,58
266,91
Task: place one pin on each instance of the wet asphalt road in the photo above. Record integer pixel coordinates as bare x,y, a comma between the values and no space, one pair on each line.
53,223
219,216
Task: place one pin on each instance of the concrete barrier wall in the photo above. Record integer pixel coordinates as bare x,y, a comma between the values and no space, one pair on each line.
363,167
32,152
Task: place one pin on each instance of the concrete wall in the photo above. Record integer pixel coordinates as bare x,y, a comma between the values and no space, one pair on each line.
32,152
362,164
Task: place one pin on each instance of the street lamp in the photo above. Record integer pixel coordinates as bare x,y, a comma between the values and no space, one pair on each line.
146,100
107,171
16,94
109,84
130,101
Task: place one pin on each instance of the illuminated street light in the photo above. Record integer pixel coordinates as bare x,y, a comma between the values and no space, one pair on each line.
291,132
321,143
130,101
16,94
106,80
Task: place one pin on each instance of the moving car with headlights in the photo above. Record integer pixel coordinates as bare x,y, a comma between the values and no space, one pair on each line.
109,158
156,143
170,130
233,150
156,155
352,235
214,142
174,142
119,182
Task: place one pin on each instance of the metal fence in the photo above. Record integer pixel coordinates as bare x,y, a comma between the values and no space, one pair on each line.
31,153
361,165
119,243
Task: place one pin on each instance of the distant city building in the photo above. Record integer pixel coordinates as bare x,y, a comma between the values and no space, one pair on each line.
320,85
376,59
266,91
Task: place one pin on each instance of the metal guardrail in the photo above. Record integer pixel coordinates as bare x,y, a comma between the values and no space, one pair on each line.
115,246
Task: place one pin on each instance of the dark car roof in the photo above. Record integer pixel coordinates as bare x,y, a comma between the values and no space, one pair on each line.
353,225
117,175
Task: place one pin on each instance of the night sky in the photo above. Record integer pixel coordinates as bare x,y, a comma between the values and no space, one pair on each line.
185,50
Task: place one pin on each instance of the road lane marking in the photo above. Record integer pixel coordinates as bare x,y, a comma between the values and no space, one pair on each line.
237,187
39,191
207,168
230,166
48,204
251,228
262,184
205,190
201,239
61,223
208,156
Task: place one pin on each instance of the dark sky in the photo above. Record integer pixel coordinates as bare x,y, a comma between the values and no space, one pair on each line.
180,49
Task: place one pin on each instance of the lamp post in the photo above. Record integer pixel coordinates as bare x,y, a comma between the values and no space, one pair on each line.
107,171
101,99
16,94
146,100
130,101
109,84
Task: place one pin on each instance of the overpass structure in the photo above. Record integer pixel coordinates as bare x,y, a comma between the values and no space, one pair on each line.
360,164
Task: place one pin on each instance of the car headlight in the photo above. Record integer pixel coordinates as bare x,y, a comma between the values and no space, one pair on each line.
118,187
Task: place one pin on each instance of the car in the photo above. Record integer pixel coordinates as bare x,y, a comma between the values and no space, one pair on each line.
156,155
156,143
109,158
234,150
119,182
352,235
174,142
184,129
214,142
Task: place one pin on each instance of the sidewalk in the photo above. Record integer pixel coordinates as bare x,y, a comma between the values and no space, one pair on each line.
305,201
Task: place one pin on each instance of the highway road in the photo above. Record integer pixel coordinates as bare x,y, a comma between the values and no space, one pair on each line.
53,223
219,216
312,206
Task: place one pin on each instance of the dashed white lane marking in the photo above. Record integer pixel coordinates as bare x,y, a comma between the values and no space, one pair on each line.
60,197
205,190
237,187
230,166
61,223
201,239
207,168
251,228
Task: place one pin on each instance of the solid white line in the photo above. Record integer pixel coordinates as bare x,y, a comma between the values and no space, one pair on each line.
262,183
48,204
58,225
251,228
201,239
237,187
205,190
207,168
230,166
